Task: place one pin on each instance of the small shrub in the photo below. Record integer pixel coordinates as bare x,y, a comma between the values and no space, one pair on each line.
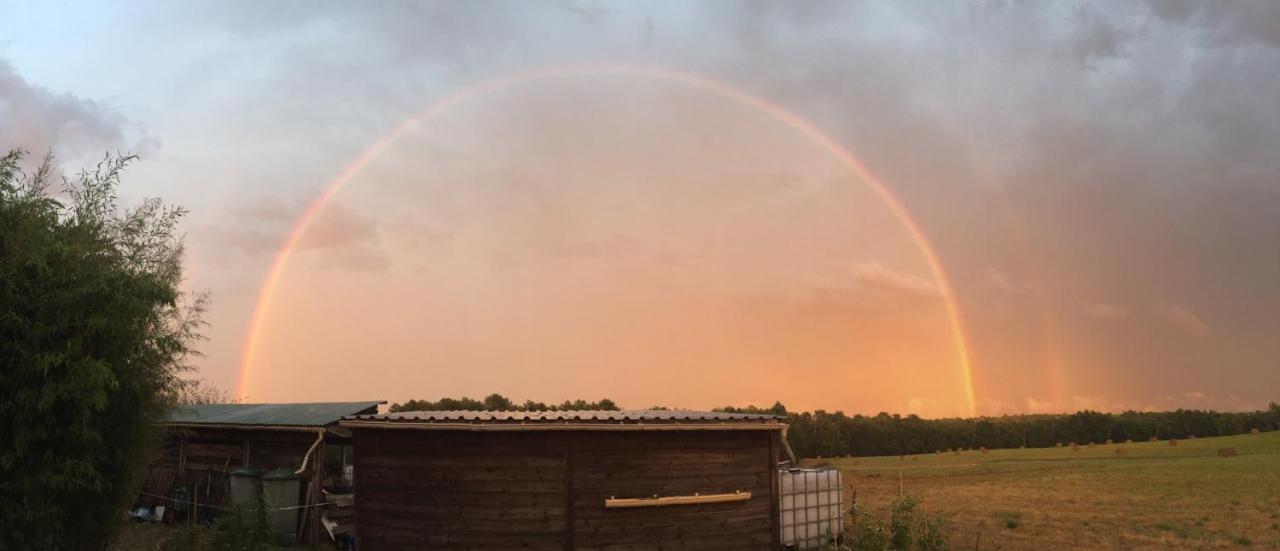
906,529
243,530
1010,519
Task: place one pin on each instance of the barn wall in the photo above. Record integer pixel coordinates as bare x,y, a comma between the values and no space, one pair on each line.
633,465
440,489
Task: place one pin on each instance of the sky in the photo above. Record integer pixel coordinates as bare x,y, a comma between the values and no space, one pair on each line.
940,209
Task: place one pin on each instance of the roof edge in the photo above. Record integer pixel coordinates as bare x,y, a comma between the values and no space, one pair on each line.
559,426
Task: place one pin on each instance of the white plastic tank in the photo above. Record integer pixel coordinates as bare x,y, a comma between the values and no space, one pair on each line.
811,506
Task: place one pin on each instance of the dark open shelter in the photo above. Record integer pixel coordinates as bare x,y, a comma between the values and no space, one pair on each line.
566,480
205,443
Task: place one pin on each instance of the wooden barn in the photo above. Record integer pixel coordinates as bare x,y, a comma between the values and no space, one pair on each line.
566,480
204,444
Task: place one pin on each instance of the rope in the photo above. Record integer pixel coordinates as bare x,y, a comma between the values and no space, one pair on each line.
189,502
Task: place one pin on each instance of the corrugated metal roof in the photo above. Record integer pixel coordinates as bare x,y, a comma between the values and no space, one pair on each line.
303,415
567,419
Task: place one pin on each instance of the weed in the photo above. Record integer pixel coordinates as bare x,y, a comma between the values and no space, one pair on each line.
906,529
1011,519
243,530
1240,540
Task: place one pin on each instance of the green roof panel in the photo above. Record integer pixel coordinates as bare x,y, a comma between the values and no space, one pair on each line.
317,414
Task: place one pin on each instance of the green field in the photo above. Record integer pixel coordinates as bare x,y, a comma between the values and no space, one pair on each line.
1150,495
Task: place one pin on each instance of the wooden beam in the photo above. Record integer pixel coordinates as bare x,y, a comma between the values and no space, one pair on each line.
695,499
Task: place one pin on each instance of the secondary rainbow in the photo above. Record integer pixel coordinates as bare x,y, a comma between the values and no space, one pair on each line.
267,291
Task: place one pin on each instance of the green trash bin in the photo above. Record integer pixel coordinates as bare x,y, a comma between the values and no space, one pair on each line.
246,488
280,490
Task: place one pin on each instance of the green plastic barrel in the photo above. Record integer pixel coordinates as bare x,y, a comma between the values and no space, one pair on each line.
280,490
246,488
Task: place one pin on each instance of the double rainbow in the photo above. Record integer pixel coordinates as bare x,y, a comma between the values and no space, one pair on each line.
262,308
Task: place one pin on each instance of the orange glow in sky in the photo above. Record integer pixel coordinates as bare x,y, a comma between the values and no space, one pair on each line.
701,236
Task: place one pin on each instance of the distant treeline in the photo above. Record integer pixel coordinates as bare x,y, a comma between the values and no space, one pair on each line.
825,434
498,402
835,434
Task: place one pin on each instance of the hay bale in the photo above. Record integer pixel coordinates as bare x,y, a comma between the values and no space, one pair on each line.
1058,445
1075,447
1122,452
1192,437
1109,442
1153,439
1227,452
1091,445
1128,440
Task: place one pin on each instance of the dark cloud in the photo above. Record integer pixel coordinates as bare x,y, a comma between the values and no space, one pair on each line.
344,237
40,120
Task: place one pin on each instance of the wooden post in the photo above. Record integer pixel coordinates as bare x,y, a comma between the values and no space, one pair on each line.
568,492
775,513
321,470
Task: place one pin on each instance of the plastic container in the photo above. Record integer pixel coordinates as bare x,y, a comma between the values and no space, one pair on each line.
246,488
280,490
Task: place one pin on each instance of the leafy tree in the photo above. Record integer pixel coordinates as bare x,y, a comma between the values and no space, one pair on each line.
498,402
93,334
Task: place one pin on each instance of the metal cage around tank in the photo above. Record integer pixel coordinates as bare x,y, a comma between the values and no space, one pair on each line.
811,507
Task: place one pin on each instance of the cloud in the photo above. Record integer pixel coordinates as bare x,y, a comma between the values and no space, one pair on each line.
1183,318
347,238
1225,22
1001,281
1040,406
337,227
874,275
40,120
1106,311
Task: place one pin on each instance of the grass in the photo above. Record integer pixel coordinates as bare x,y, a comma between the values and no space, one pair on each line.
1153,496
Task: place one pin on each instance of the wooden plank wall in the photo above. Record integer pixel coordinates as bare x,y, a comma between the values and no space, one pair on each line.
631,465
546,490
457,490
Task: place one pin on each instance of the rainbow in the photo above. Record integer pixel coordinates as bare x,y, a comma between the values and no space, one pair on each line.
267,291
